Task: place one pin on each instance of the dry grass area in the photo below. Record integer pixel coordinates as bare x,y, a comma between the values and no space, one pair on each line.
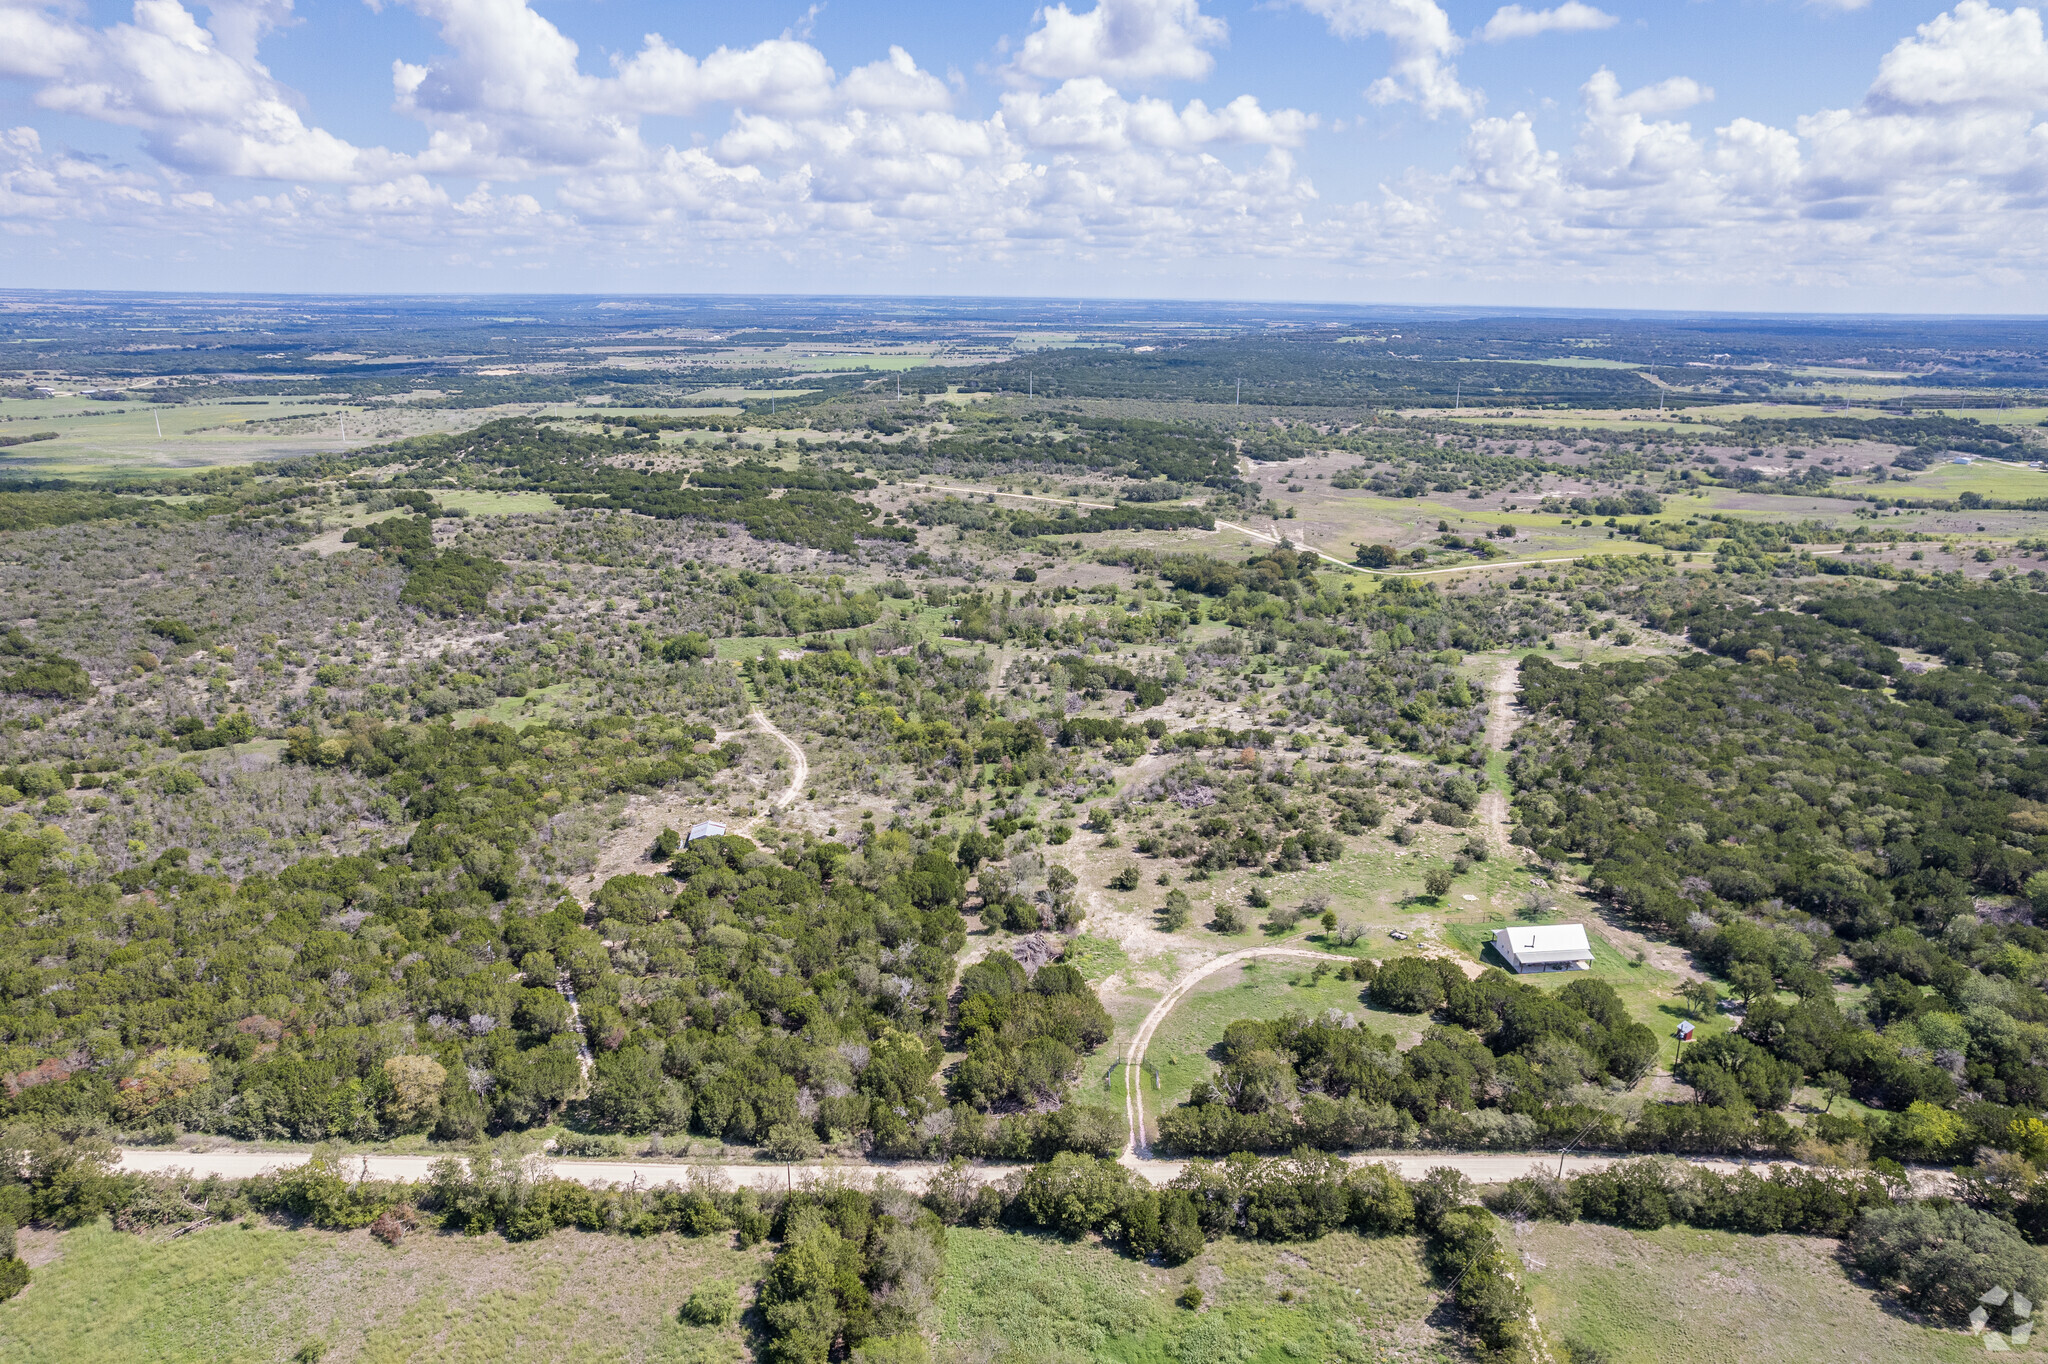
234,1294
1683,1296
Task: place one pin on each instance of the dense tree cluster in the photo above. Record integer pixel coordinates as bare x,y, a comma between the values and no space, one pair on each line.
1772,806
1503,1069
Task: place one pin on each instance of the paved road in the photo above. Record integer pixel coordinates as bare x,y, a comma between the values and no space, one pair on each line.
231,1164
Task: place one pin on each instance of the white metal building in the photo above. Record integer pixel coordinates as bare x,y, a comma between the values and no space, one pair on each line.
1545,947
708,829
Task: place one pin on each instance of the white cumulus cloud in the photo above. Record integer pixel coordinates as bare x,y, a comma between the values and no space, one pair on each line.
1573,16
204,104
1976,54
1423,40
1133,41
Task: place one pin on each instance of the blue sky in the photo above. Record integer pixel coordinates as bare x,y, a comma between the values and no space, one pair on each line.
1741,154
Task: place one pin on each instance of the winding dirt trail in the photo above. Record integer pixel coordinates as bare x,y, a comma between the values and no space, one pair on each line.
800,774
624,850
1136,1146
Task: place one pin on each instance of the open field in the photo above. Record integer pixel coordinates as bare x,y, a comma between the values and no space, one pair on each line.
1012,1299
1684,1296
258,1293
252,1293
98,439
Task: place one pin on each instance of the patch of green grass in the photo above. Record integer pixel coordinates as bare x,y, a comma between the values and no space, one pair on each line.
1992,480
808,363
1649,993
228,1294
1096,958
536,707
1178,1056
737,647
1013,1298
1683,1296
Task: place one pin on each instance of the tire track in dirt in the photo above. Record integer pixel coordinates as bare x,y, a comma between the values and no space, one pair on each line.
1136,1147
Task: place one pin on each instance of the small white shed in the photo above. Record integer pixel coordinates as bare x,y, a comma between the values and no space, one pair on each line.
708,829
1545,947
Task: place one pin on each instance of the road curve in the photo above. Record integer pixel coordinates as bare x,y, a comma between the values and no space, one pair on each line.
800,775
1137,1150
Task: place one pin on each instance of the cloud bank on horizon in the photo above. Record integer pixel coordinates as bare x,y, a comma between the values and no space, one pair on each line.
1106,149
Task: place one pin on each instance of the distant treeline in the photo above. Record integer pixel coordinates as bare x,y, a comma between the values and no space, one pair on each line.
1296,372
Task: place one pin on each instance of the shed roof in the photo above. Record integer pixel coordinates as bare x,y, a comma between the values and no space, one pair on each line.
1546,942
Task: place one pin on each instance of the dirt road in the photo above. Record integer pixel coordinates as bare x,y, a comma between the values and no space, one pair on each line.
1137,1149
1488,1168
1501,724
800,773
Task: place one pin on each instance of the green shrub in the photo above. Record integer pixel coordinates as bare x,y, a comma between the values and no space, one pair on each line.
1408,985
711,1304
1939,1258
1074,1194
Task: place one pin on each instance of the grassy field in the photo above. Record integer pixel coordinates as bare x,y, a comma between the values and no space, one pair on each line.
858,360
1180,1052
1024,1299
228,1294
234,1294
1682,1296
536,707
135,437
1991,480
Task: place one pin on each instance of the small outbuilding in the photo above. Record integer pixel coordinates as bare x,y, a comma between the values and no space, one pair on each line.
1545,947
708,829
1685,1030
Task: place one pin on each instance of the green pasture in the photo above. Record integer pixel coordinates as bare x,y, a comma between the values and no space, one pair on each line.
242,1293
1180,1053
98,439
2002,481
1684,1296
1013,1298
